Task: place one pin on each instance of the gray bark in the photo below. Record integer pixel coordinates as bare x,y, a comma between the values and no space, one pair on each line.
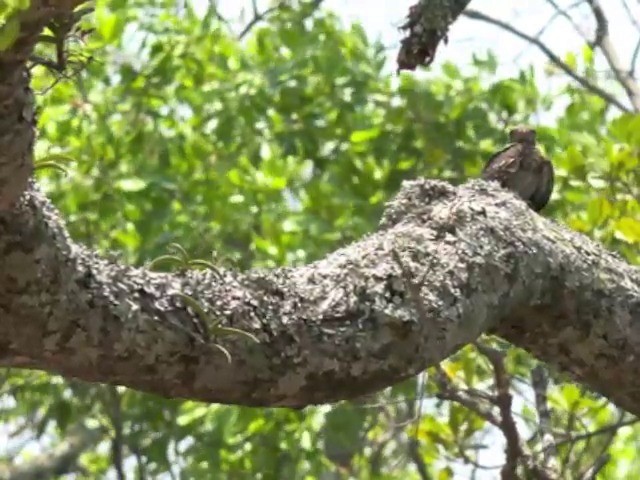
445,265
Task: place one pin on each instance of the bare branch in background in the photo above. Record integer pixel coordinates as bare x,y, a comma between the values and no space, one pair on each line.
634,59
604,43
636,50
448,391
630,14
553,58
564,13
215,11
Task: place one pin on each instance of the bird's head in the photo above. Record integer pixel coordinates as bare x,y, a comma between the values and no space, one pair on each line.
522,134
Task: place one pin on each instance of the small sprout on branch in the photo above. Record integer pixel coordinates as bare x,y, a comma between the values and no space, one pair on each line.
53,161
211,326
181,258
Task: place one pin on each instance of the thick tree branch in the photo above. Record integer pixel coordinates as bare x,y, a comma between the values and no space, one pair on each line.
553,58
349,324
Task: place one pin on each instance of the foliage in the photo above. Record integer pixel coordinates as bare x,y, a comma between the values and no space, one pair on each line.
274,151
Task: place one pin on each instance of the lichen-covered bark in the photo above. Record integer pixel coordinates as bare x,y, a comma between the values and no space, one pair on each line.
475,257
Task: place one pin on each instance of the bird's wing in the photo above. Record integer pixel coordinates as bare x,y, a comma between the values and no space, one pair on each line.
543,190
503,163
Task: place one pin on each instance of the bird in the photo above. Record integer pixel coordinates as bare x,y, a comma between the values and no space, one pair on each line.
522,168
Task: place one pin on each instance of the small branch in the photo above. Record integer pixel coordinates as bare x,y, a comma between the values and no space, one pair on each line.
539,382
630,14
504,400
598,465
585,83
604,43
258,17
634,59
613,428
636,50
416,458
449,392
559,12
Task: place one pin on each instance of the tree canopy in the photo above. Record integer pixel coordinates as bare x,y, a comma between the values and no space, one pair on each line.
281,155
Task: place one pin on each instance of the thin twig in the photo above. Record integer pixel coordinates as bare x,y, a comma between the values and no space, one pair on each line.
604,430
559,12
632,17
448,392
636,49
564,13
634,59
258,17
584,82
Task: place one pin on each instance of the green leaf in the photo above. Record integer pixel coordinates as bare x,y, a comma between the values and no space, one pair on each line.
9,33
364,135
445,474
235,331
194,414
627,229
132,184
